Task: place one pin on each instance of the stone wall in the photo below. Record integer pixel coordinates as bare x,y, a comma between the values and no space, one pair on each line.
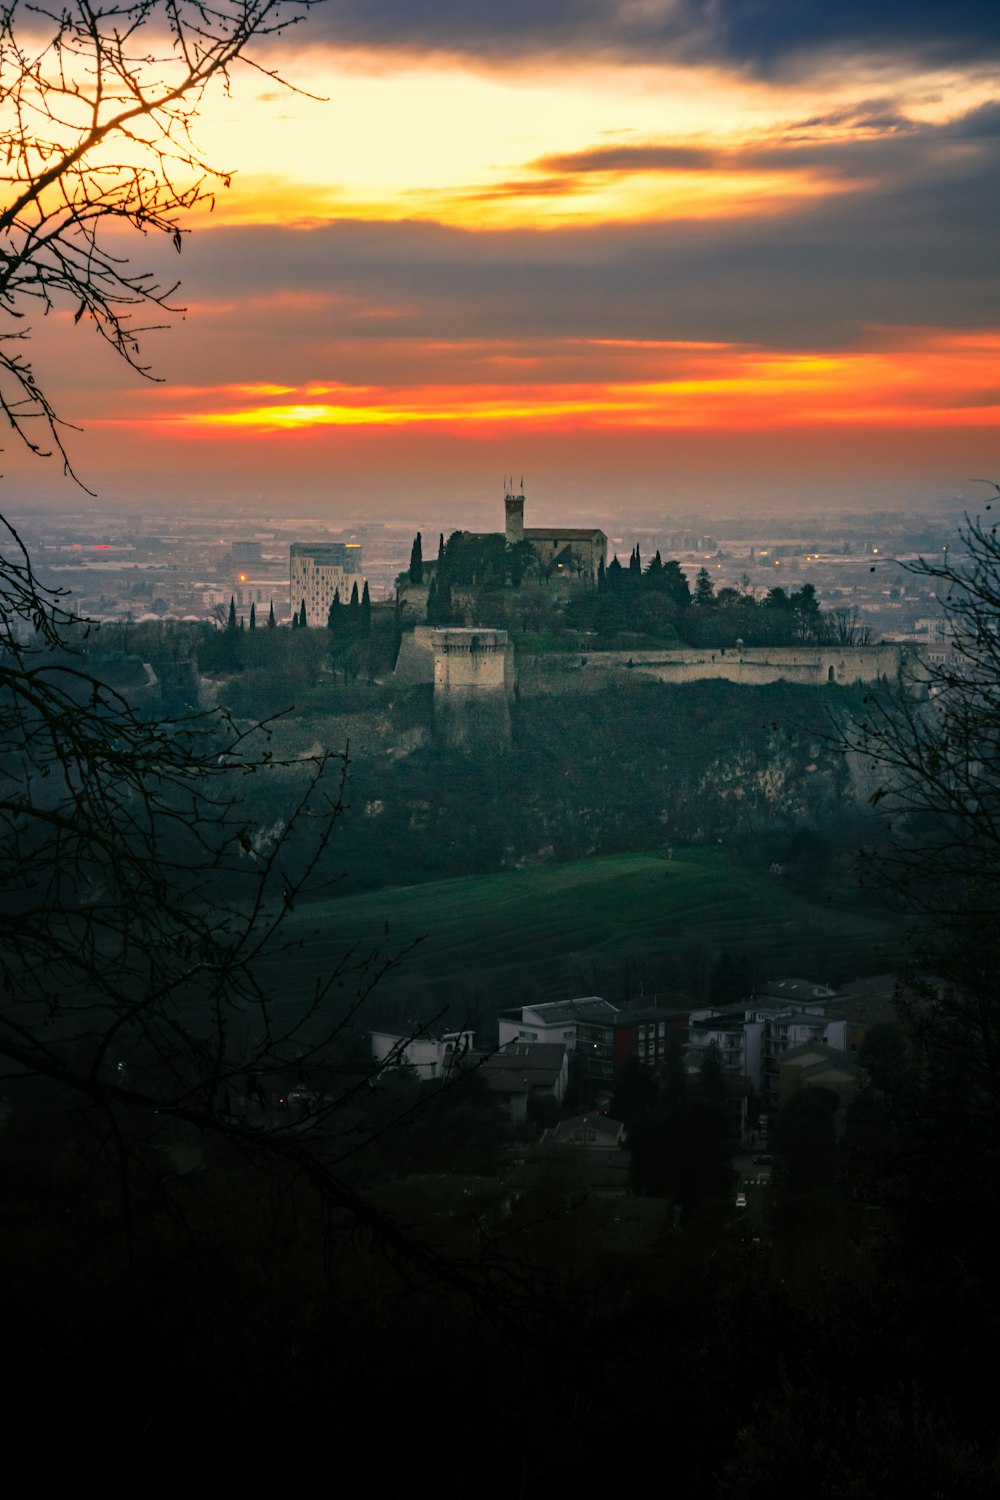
591,671
415,662
473,681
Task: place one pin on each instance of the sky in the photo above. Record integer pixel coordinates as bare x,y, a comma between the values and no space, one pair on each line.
732,256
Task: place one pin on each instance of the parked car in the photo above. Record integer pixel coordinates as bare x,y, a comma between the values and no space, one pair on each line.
741,1200
763,1161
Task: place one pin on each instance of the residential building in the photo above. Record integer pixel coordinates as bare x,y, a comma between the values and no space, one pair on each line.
522,1071
814,1063
648,1035
429,1056
865,1003
585,1027
318,570
593,1132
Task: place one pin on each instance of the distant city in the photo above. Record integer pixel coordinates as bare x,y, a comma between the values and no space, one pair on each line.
180,567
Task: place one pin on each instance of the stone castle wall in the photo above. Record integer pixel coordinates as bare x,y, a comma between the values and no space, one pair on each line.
591,671
446,658
473,683
415,662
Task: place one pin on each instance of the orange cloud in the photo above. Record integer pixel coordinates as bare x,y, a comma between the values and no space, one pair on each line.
932,380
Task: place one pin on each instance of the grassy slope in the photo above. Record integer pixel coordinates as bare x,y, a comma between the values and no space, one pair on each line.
561,930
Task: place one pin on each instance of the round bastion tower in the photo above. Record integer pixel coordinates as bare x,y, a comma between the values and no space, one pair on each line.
473,682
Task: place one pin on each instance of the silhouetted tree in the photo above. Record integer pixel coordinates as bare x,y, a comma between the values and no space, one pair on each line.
416,570
335,615
704,589
97,139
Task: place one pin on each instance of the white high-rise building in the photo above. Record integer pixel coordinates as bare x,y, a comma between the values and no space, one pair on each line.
317,570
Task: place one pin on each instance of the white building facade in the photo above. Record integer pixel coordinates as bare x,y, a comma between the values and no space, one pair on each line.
318,570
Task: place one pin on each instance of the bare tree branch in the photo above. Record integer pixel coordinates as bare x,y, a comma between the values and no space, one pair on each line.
98,106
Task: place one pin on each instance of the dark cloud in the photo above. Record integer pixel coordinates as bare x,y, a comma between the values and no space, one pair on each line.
979,124
760,35
888,254
868,143
633,159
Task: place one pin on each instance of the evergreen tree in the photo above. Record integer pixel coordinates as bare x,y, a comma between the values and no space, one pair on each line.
654,570
417,560
295,620
397,630
243,623
704,589
634,562
272,623
253,615
333,620
366,612
806,606
675,584
613,577
354,613
302,616
440,552
432,602
601,576
231,623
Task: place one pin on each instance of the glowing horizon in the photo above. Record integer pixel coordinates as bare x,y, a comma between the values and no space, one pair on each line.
566,242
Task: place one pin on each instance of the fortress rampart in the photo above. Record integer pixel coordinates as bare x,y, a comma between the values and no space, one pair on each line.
473,682
753,666
464,674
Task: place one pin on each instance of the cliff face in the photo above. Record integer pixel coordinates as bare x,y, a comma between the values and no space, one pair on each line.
642,768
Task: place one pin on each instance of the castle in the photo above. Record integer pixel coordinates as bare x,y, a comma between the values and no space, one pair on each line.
574,551
475,674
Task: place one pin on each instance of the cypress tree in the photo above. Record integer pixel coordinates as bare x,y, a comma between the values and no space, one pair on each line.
397,629
231,622
333,615
417,560
366,612
253,615
354,612
295,620
272,623
432,602
302,616
635,562
601,576
243,623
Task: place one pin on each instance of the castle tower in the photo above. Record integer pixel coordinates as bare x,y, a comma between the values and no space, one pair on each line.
473,681
514,508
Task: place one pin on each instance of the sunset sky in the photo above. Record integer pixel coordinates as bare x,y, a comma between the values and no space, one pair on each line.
728,255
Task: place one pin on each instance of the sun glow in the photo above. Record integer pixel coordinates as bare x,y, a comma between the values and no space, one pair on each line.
934,383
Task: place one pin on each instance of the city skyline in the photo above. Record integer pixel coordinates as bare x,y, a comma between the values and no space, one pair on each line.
738,264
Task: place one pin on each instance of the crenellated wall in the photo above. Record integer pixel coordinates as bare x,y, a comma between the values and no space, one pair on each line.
448,658
752,666
473,682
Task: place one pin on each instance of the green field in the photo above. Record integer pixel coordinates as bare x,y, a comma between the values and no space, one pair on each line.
603,925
